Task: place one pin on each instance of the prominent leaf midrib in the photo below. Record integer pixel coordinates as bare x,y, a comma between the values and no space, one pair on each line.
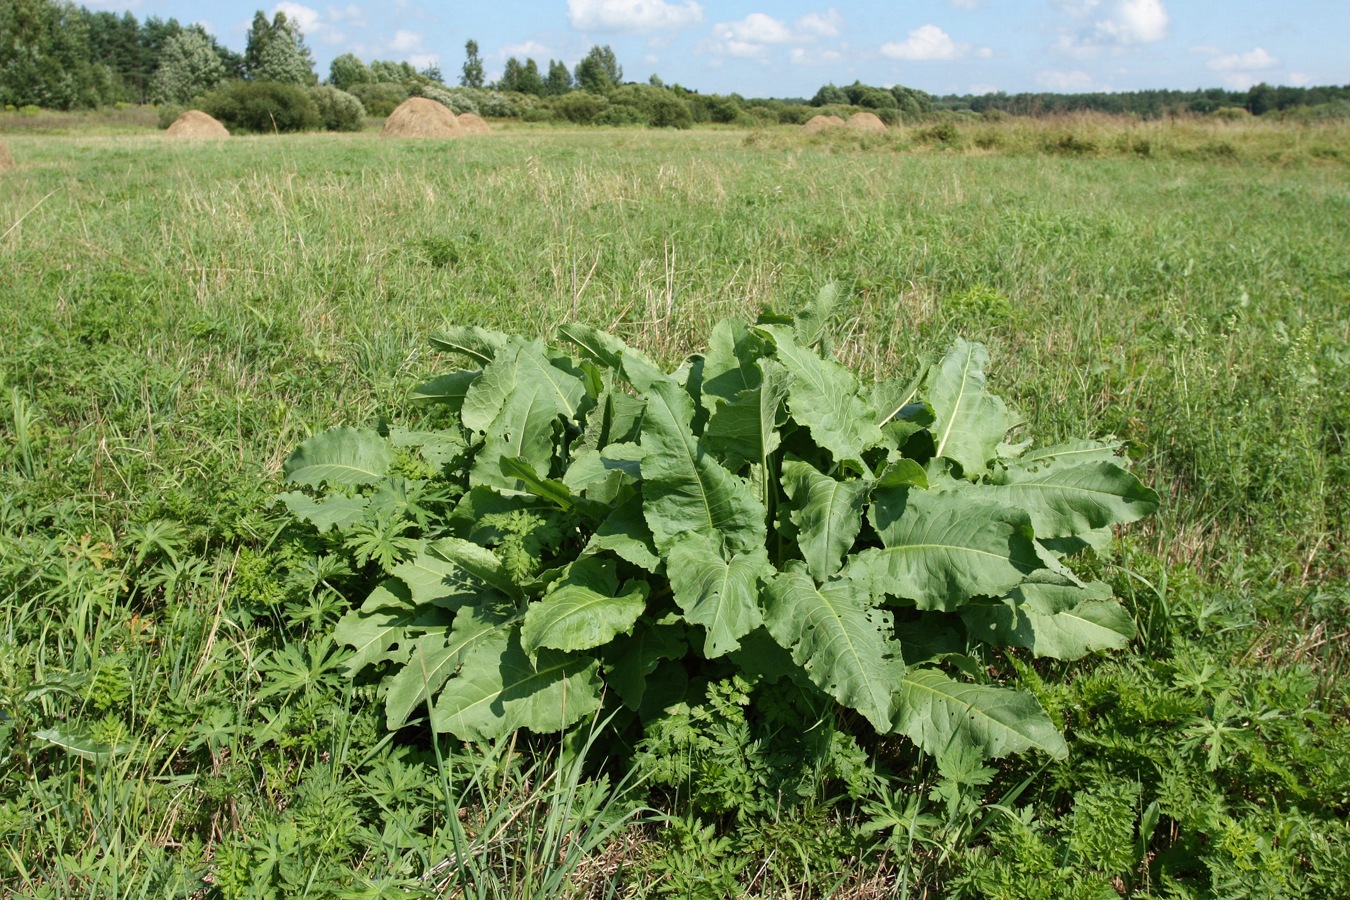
552,375
689,444
961,547
949,695
960,398
534,675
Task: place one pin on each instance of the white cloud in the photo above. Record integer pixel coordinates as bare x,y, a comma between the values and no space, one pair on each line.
1299,79
820,25
632,15
1076,82
421,61
982,89
818,56
754,36
927,43
756,28
1112,24
1243,62
349,13
311,22
406,41
526,50
965,4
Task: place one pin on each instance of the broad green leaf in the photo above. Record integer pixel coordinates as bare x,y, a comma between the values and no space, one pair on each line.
721,596
941,549
970,422
523,394
440,448
630,659
1069,501
730,367
583,610
825,397
840,640
636,368
1073,453
346,456
479,562
433,580
686,490
902,473
625,534
387,617
548,489
590,468
746,427
499,688
434,658
330,511
476,343
811,322
614,419
449,389
1062,621
898,400
79,744
941,715
827,513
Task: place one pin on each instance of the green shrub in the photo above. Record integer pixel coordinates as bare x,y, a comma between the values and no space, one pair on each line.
457,101
338,110
590,528
621,115
580,107
659,107
261,107
166,114
381,98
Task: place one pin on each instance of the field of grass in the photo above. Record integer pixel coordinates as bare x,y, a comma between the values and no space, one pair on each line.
179,316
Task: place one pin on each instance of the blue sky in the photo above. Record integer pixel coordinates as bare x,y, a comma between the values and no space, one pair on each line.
787,49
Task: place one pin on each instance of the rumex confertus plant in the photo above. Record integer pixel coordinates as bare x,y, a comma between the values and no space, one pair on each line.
612,529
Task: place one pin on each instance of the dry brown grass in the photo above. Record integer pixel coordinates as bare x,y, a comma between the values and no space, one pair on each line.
6,160
473,124
418,117
866,121
196,124
822,123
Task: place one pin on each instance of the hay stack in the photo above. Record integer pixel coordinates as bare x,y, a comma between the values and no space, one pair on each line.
6,161
822,123
865,121
473,124
196,124
418,117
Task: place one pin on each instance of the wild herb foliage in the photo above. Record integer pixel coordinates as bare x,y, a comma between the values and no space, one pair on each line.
759,511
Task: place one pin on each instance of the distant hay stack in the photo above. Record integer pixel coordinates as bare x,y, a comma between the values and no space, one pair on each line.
6,161
865,121
196,124
418,117
473,124
822,123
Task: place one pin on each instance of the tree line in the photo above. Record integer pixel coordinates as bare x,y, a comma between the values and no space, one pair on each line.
56,55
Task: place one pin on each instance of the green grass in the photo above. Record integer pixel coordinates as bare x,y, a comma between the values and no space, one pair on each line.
180,315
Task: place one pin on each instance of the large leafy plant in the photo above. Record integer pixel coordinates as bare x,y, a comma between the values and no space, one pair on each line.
604,527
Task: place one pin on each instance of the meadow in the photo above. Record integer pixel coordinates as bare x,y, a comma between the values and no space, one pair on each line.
179,316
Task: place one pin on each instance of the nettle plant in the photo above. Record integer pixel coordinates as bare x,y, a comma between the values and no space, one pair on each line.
609,529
